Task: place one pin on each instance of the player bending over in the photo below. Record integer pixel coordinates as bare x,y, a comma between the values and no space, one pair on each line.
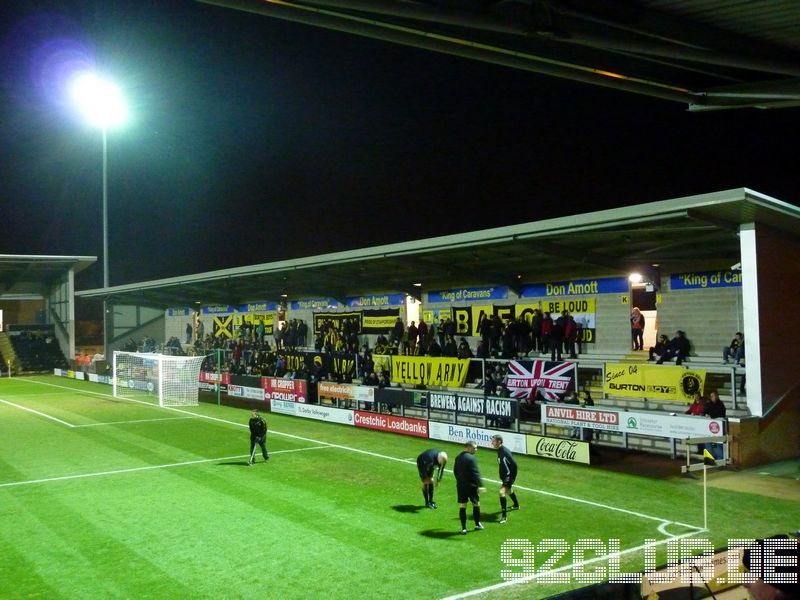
426,463
508,474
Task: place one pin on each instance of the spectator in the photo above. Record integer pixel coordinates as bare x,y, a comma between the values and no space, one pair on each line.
697,407
536,331
434,349
450,348
547,330
464,350
660,348
715,409
397,331
678,348
734,349
557,336
570,335
190,329
637,328
422,336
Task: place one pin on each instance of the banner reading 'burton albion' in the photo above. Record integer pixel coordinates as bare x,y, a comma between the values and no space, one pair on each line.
653,381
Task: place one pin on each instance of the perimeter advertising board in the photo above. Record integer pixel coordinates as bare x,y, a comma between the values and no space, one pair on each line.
560,449
313,411
391,423
461,434
641,423
290,390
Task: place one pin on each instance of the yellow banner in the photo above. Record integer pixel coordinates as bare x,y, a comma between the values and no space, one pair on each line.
479,313
526,310
379,322
653,381
223,326
427,370
383,362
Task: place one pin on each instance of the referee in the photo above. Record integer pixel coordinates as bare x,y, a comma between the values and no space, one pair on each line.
426,463
468,485
258,435
508,474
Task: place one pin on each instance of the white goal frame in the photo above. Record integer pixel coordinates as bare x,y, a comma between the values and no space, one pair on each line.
174,380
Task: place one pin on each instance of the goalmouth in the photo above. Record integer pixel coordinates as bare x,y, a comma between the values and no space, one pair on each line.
173,380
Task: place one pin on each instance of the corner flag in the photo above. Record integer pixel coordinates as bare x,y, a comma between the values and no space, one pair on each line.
707,456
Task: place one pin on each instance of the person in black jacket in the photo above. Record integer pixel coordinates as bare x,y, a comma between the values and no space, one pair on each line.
678,348
258,435
468,485
508,474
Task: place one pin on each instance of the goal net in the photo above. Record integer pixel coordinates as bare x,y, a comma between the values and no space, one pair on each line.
173,380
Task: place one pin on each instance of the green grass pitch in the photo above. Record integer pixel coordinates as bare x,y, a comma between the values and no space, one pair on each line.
109,498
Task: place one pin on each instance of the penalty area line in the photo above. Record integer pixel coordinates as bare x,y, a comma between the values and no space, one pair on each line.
36,412
147,468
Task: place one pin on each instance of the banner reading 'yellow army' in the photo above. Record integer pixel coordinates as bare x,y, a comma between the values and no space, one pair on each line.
653,381
428,370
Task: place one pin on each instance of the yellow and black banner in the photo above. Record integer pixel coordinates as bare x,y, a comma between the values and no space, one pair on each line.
583,310
223,326
338,319
379,321
653,381
427,370
255,319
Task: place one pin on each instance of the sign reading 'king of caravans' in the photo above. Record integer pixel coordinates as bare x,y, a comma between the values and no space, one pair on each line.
706,279
469,294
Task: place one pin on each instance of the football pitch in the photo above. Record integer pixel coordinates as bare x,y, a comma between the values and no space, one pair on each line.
103,497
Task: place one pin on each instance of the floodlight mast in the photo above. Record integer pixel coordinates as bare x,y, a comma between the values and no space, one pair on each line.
103,106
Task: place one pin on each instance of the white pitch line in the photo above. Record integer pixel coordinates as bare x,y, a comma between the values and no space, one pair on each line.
134,421
403,460
147,468
36,412
570,567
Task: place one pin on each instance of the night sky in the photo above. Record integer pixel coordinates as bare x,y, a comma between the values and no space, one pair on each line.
253,139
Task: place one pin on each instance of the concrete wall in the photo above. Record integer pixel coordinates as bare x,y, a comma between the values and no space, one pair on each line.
710,317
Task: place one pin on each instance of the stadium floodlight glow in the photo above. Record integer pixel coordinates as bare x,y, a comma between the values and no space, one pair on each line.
635,278
99,100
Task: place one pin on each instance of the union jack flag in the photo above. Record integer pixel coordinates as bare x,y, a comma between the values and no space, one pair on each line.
552,378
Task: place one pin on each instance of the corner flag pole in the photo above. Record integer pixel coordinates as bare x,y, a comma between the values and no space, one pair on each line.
705,498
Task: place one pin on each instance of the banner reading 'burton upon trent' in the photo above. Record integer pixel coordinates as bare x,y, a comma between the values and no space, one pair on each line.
427,370
653,381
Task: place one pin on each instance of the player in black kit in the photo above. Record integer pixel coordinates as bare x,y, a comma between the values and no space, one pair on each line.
258,435
508,474
426,463
468,485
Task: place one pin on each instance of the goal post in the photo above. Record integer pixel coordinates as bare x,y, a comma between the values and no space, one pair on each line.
173,380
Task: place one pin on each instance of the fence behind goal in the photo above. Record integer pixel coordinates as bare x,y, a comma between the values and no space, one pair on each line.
173,380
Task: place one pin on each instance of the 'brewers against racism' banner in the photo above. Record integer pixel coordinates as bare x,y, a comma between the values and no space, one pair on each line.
427,370
653,381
